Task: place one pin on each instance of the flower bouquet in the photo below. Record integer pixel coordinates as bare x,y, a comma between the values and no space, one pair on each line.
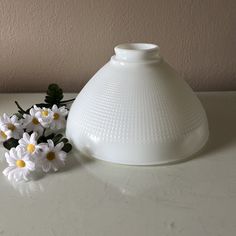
34,138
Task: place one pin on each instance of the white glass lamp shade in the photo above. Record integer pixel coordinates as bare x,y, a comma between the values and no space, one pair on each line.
137,110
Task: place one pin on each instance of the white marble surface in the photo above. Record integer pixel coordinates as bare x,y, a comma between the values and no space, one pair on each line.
94,198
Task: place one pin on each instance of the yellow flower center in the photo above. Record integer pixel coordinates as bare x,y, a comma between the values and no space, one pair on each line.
51,156
35,121
44,113
11,127
20,163
56,116
30,148
4,136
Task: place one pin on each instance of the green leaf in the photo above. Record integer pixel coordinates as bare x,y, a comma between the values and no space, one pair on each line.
50,136
54,94
10,143
67,147
57,138
64,140
42,139
21,110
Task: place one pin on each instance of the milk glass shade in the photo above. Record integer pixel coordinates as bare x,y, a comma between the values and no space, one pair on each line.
137,110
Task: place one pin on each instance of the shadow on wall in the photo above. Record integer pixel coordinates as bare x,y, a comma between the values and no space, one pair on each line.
221,122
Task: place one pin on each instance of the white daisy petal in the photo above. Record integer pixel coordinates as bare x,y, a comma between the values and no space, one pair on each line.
11,174
7,170
27,119
26,157
20,166
33,138
44,116
30,165
26,174
6,118
59,146
50,143
5,133
52,157
46,166
54,108
7,155
62,155
53,126
42,146
32,111
63,111
37,108
13,153
31,123
22,142
26,137
25,177
18,176
11,124
9,159
14,119
58,121
20,152
28,144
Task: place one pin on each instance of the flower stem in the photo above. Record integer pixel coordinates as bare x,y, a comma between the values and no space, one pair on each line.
70,100
44,130
20,108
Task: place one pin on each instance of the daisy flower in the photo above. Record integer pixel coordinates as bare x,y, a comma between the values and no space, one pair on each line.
5,134
44,116
13,124
29,144
31,123
59,120
52,156
20,165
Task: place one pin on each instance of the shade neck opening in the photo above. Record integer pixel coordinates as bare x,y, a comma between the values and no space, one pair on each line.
134,52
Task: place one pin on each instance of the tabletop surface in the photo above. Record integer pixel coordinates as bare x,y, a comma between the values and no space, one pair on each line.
91,197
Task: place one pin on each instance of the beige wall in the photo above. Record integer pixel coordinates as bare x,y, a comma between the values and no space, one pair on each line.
66,41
